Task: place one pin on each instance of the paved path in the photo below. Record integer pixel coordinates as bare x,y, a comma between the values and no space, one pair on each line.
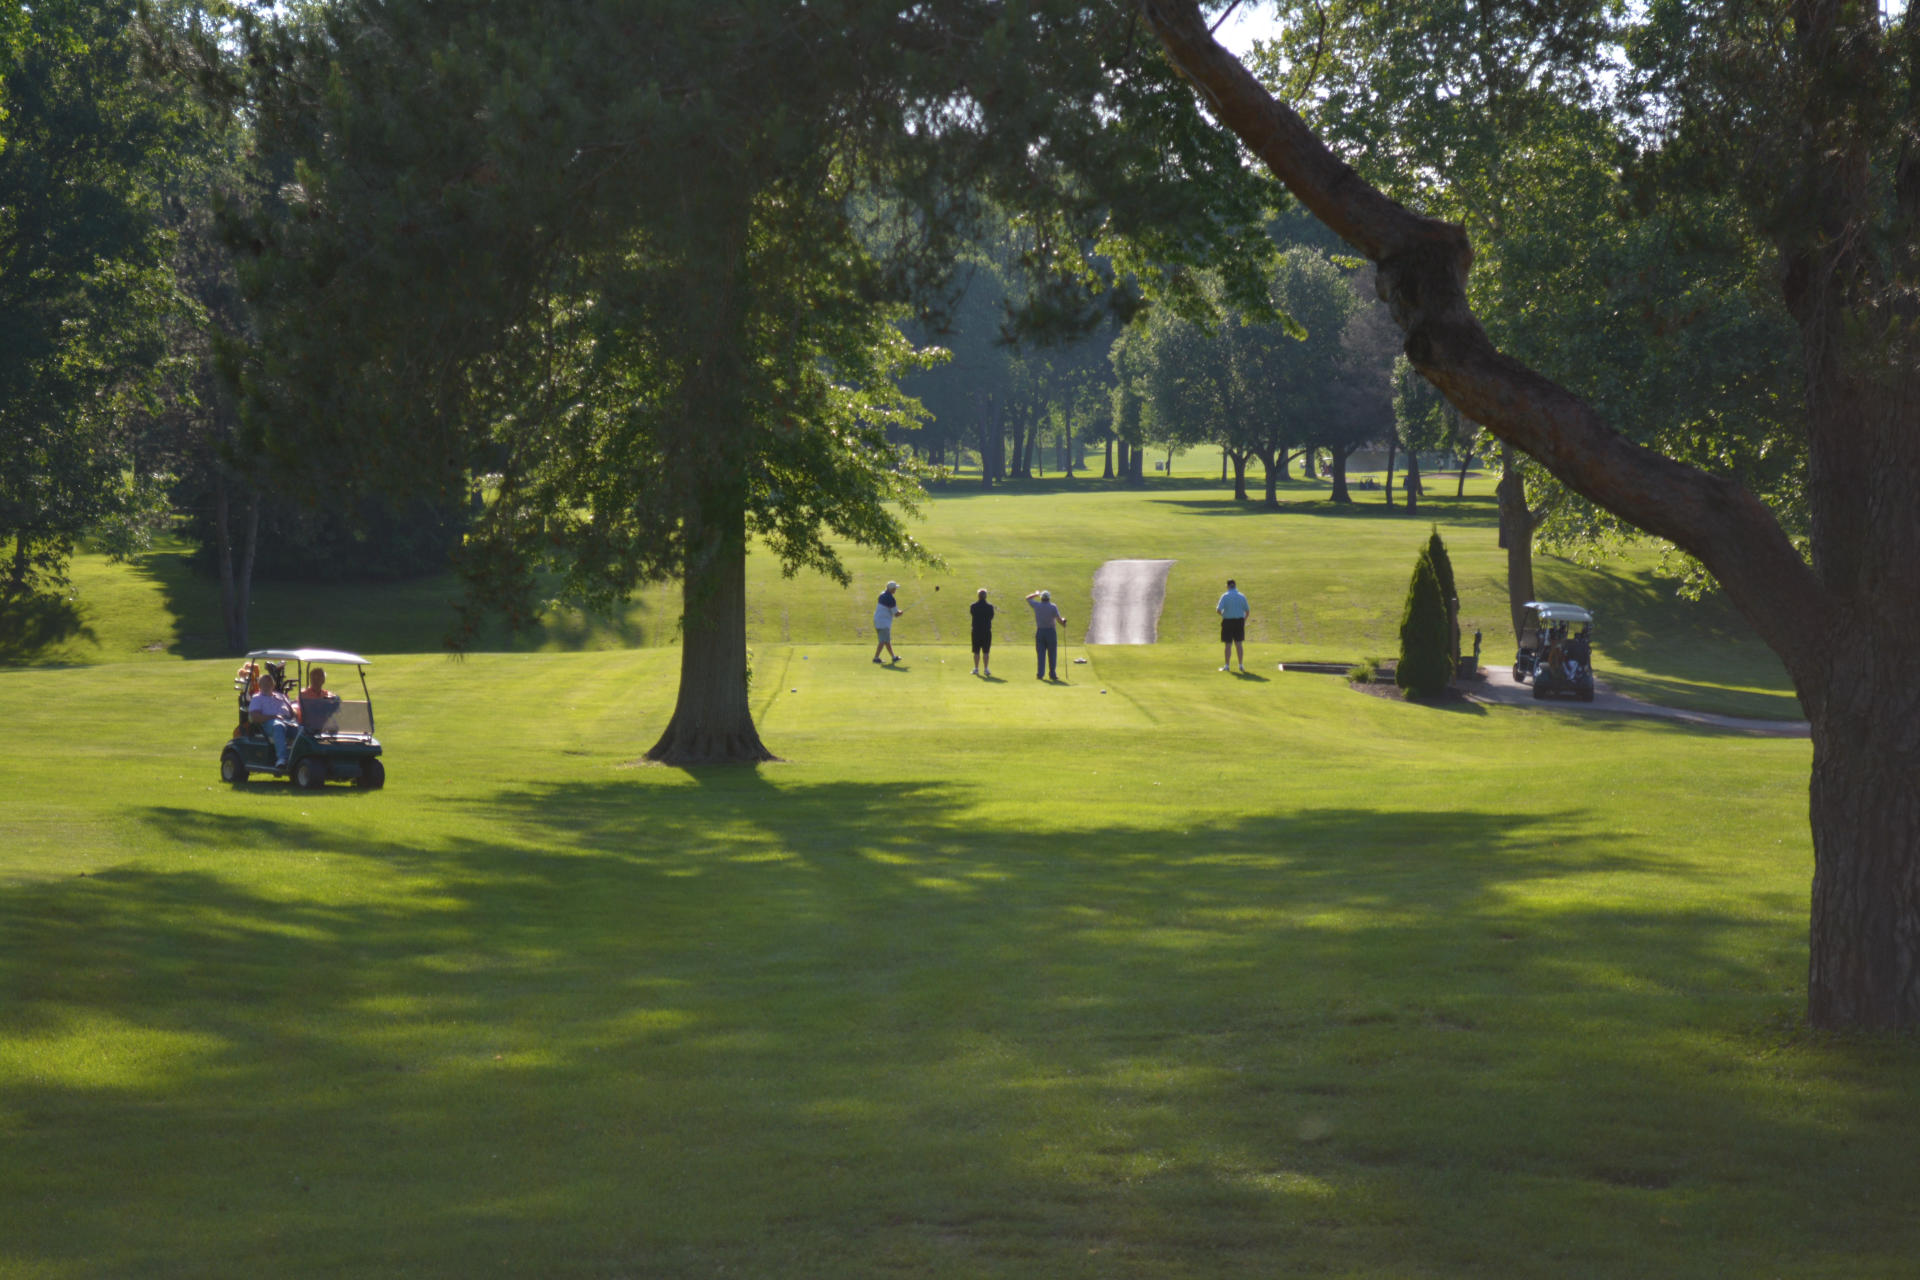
1501,687
1127,596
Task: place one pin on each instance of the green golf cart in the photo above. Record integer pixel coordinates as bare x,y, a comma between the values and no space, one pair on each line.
334,740
1556,651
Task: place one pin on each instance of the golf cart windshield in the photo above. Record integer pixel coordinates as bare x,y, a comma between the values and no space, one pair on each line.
337,719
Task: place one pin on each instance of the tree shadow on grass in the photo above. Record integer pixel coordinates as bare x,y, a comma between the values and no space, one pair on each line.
1470,511
30,625
861,1028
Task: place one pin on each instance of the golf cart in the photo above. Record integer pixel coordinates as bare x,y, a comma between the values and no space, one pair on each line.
335,739
1556,651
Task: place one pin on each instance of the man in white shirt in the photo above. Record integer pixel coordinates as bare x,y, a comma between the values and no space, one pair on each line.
1233,610
883,615
270,709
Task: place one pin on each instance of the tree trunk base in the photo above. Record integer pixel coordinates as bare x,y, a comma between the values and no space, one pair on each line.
685,746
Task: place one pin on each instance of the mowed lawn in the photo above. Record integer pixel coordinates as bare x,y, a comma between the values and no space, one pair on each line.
1326,582
1157,973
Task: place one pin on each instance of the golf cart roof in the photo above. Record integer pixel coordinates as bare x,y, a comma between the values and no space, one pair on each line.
1554,612
310,655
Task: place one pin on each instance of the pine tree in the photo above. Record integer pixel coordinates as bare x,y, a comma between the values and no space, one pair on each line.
1443,572
1424,670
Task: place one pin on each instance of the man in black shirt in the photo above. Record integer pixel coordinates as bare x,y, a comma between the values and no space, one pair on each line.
982,633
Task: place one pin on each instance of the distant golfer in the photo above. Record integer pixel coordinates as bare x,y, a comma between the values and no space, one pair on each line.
1233,610
982,634
883,615
1046,634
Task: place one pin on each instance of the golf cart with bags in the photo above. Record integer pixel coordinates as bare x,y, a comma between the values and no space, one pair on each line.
1556,651
333,739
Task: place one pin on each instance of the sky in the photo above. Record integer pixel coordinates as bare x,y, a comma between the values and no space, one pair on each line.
1249,22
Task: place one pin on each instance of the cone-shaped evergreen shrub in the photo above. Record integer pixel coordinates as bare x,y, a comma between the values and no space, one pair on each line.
1426,668
1442,565
1443,571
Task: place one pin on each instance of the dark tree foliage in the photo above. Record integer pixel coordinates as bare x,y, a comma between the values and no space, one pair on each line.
1426,662
84,131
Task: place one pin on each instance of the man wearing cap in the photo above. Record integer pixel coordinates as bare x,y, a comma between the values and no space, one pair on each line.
883,615
1046,634
1233,610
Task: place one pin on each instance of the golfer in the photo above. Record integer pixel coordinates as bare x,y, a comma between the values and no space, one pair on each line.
982,634
1233,610
1046,634
883,615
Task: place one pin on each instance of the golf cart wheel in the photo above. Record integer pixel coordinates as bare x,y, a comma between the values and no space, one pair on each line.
1585,694
1539,694
310,774
1519,676
231,768
373,775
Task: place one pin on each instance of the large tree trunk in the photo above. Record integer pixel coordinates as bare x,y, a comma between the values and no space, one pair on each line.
1108,473
22,561
989,419
236,581
1337,461
1848,628
1412,483
1272,470
712,723
1393,450
1864,961
1239,475
1516,536
1307,471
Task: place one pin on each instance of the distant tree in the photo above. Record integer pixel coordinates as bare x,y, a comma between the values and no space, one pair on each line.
1359,401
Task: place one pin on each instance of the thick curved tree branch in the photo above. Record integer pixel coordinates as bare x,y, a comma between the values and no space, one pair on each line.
1422,265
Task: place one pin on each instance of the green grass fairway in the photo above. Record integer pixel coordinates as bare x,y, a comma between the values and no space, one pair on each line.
1325,582
1158,973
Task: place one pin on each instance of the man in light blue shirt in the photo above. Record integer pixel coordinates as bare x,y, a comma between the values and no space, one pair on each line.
1233,610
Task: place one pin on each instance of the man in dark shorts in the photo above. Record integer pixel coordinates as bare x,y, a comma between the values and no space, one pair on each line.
1046,634
982,634
1233,610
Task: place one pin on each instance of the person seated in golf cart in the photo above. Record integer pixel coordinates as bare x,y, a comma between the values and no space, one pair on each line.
270,710
317,702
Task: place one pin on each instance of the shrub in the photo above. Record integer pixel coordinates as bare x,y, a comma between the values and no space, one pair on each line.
1426,667
1442,566
1449,593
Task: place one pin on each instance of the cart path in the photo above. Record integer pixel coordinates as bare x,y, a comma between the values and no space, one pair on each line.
1500,687
1127,597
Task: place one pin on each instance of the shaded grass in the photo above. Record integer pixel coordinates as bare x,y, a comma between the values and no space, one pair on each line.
1192,977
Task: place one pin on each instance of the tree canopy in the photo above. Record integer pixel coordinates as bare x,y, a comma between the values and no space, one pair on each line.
85,134
1809,111
636,267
